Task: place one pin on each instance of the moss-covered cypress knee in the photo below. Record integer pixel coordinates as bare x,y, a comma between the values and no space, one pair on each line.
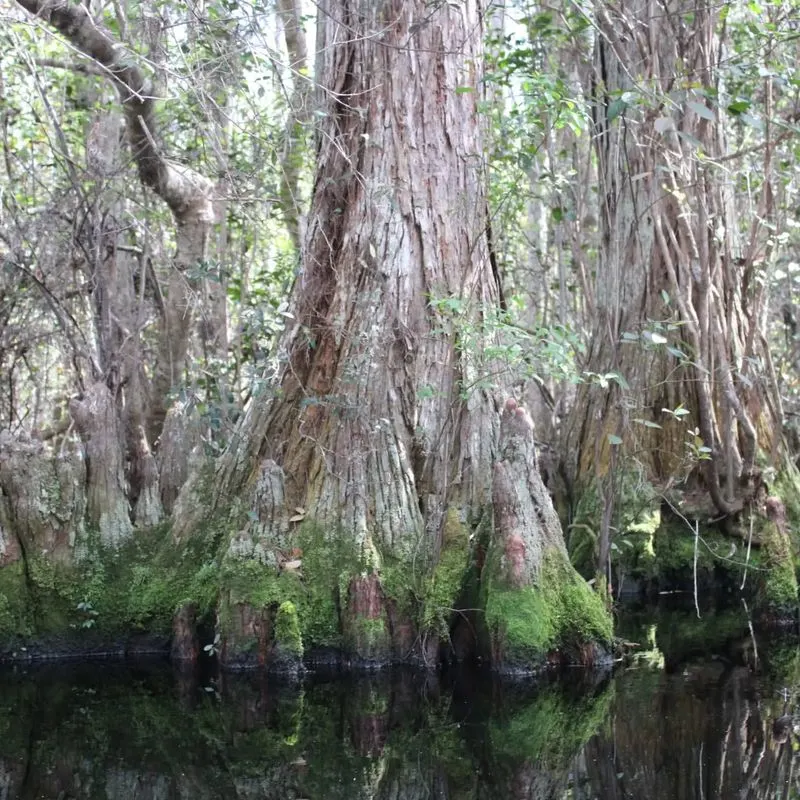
536,604
287,649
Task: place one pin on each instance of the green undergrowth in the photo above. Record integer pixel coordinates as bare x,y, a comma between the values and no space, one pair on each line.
136,587
316,590
287,629
651,544
723,562
139,586
561,612
674,546
638,516
15,606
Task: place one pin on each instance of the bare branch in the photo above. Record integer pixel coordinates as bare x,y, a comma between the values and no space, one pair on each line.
181,188
83,69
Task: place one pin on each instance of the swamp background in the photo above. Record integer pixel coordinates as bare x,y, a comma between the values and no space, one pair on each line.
377,333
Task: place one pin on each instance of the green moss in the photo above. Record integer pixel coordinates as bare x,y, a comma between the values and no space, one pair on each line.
327,565
443,588
369,637
560,612
674,547
16,619
149,593
778,584
247,580
783,661
406,586
146,581
787,487
287,629
721,559
135,587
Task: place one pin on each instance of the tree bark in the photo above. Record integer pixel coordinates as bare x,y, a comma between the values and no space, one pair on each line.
108,510
376,429
678,318
300,110
384,428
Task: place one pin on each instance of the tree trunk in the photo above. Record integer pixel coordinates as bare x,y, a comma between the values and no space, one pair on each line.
290,14
672,394
377,429
108,510
370,467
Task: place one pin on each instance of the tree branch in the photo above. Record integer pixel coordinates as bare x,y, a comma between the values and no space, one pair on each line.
83,69
184,190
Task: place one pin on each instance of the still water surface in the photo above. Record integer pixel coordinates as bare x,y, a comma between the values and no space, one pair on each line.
706,712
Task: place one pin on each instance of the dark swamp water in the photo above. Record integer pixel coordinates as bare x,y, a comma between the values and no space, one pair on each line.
706,711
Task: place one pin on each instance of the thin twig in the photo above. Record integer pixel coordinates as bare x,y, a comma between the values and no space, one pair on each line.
749,545
694,566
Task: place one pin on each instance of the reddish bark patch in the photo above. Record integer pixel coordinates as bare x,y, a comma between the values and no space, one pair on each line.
404,633
776,512
515,555
366,621
185,646
366,597
248,624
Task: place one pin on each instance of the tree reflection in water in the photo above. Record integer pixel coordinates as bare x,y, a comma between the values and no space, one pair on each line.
713,723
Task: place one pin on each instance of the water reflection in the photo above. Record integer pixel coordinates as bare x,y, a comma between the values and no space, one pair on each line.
714,722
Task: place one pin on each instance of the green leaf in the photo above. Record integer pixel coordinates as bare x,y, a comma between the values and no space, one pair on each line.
615,109
614,439
647,423
702,110
464,89
738,107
